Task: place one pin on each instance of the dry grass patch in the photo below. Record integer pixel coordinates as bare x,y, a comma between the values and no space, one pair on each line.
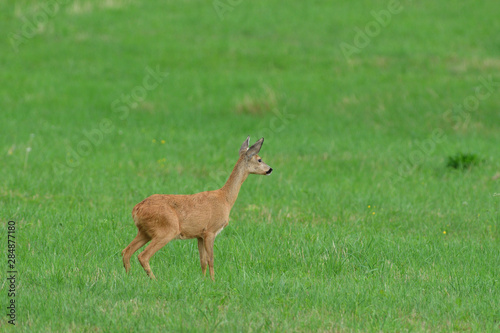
257,105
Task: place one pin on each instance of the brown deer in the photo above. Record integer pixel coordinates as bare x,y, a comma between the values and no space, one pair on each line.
163,217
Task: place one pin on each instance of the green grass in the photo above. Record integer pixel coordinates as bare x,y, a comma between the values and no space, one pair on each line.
361,227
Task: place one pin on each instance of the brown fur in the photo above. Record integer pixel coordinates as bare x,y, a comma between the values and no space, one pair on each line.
163,217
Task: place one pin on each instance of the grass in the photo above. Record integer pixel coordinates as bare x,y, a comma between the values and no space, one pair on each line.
462,161
361,227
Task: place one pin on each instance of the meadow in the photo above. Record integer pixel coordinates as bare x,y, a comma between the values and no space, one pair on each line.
363,225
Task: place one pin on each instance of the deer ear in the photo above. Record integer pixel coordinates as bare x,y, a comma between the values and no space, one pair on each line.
255,148
244,146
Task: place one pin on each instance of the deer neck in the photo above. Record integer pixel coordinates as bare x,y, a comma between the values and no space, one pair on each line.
233,184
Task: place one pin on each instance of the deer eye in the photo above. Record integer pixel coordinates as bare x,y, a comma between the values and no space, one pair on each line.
259,160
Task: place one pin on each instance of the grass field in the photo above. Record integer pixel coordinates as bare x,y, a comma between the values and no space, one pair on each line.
361,226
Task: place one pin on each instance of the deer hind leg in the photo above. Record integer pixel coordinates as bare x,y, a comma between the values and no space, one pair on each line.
157,243
135,245
209,248
203,255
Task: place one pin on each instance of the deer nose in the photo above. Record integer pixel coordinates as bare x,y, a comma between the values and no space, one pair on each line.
268,172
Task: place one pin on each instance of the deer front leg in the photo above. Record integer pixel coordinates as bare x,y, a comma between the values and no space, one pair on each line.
203,256
209,248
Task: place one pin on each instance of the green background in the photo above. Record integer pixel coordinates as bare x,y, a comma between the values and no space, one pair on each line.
361,226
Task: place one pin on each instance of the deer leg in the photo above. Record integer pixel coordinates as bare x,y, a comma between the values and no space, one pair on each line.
203,255
156,243
135,245
209,247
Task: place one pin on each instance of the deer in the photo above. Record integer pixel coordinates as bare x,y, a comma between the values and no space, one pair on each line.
161,218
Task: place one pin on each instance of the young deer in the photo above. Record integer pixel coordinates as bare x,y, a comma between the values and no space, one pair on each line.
162,217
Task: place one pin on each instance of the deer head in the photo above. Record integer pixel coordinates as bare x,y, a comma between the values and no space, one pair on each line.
252,161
